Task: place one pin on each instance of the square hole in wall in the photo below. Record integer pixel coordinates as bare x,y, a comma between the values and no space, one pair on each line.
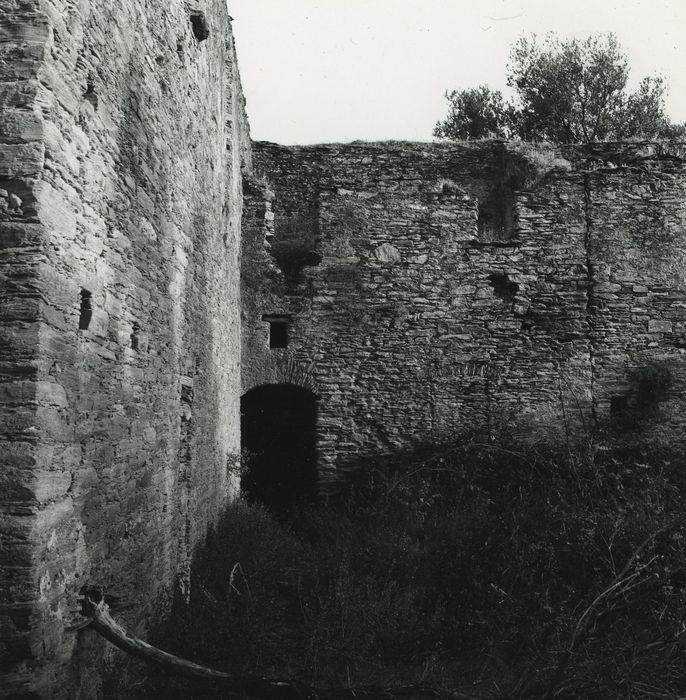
278,330
199,25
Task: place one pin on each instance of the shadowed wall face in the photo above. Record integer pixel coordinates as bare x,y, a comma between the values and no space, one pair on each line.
278,424
122,137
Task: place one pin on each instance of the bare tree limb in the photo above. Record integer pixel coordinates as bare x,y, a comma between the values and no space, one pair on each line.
619,583
95,608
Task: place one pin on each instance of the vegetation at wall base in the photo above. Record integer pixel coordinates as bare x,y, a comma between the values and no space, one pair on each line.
483,572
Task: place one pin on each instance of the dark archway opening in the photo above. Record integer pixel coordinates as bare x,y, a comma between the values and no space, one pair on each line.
278,434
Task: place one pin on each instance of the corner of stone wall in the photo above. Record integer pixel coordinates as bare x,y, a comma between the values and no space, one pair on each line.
120,218
24,32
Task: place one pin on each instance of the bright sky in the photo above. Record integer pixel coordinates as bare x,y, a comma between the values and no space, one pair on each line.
319,71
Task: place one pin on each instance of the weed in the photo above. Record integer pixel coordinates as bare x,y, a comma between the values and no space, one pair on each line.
507,574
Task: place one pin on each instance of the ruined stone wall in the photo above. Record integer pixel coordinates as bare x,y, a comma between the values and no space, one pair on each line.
122,136
636,208
473,287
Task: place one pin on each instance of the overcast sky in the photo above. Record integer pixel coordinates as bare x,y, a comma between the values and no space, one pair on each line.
319,71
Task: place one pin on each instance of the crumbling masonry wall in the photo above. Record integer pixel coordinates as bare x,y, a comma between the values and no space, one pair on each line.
122,137
430,290
446,289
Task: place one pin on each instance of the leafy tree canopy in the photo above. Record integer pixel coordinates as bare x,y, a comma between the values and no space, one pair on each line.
565,91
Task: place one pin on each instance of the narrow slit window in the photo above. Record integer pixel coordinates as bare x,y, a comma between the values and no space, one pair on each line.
86,310
135,330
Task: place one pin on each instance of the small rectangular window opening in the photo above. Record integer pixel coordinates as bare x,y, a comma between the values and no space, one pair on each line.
86,310
278,330
278,334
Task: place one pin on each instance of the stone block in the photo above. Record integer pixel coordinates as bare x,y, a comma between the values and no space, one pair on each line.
387,253
656,326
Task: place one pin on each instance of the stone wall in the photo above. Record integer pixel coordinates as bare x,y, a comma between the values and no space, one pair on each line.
431,290
637,255
122,137
443,289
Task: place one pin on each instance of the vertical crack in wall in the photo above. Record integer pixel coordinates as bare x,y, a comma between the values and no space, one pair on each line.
591,308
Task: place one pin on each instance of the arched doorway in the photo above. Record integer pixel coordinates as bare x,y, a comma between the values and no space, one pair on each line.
278,435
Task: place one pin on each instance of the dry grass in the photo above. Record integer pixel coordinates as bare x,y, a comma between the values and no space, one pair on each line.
489,573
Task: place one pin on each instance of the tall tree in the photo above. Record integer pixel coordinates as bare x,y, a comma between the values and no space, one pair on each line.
569,90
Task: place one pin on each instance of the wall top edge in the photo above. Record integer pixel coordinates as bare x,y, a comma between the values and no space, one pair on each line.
605,150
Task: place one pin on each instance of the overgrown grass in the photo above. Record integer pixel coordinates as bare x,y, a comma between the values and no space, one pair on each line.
469,570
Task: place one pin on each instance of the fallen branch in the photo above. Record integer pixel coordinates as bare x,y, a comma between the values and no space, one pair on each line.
95,608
